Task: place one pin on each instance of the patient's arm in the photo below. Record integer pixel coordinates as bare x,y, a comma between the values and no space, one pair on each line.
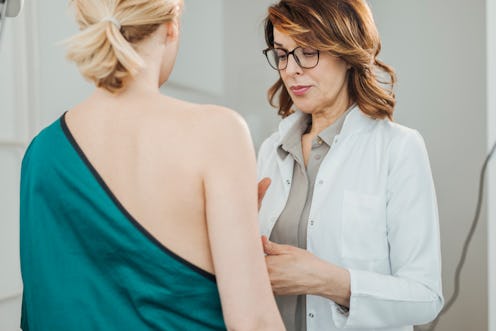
230,185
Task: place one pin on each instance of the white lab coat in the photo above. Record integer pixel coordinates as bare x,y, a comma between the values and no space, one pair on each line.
373,212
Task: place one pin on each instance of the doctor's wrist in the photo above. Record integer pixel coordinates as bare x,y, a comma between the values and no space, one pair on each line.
334,283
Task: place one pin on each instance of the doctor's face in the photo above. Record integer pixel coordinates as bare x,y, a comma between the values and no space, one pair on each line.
318,89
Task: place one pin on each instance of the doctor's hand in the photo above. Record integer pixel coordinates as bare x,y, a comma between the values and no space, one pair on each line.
292,270
263,185
295,271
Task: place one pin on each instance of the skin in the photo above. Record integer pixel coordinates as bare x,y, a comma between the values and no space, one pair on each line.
173,165
295,271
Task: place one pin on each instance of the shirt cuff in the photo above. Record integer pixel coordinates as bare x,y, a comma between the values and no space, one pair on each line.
340,314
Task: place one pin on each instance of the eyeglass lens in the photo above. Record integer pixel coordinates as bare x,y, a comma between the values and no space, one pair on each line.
304,57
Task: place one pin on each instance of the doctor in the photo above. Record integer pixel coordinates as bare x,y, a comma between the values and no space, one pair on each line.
349,221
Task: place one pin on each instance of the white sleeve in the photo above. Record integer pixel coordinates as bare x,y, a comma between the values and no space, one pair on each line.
263,154
412,294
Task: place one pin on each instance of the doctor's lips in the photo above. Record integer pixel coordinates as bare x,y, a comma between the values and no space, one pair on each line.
300,90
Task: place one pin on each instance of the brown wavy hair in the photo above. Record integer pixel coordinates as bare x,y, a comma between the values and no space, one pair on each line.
104,52
346,29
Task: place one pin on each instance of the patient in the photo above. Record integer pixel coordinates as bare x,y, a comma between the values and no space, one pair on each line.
135,214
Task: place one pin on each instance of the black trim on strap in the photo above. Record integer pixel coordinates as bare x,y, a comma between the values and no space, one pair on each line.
124,211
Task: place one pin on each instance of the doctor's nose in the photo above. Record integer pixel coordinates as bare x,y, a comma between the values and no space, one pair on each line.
293,68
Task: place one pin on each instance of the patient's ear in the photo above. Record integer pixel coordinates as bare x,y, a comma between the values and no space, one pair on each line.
172,29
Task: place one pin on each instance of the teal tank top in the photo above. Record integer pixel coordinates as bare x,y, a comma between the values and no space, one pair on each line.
87,265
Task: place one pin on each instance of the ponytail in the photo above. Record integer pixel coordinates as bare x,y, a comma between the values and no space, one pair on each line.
103,49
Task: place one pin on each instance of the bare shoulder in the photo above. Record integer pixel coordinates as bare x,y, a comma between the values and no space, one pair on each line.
206,113
205,124
221,124
222,117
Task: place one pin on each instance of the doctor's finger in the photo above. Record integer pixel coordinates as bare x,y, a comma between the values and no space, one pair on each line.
263,185
272,248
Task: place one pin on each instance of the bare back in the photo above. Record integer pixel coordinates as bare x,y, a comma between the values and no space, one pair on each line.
187,174
149,154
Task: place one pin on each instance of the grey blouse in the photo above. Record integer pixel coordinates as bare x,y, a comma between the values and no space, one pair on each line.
291,226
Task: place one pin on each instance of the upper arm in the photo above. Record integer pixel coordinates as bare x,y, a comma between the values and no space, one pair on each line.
413,224
231,209
229,172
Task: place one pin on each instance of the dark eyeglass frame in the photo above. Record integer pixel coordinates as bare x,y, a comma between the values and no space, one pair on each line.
288,53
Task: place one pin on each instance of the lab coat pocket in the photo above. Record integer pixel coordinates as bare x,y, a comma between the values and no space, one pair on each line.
363,231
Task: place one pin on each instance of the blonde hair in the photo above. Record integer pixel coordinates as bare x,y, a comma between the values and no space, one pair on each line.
104,48
344,28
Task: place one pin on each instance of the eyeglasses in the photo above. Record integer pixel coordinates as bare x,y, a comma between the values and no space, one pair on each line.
306,58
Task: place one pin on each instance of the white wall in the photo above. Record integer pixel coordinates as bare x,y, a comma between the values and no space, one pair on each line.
14,127
250,75
57,82
439,51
